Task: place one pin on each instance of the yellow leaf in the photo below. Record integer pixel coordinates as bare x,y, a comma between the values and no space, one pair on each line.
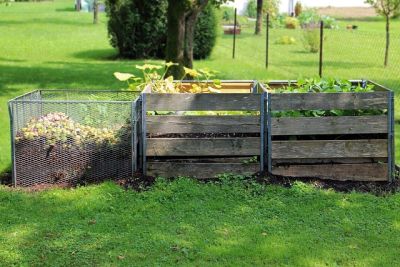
123,76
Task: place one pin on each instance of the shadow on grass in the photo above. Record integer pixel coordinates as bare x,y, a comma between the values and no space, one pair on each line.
100,54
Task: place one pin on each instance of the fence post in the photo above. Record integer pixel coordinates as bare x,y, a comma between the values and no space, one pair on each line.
321,47
143,134
269,134
267,43
234,35
12,133
391,150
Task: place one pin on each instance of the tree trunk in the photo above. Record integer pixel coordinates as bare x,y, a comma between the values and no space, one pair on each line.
259,16
78,5
95,12
190,24
176,37
387,41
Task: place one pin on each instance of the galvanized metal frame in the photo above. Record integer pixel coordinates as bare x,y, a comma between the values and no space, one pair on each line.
143,134
269,134
11,114
391,147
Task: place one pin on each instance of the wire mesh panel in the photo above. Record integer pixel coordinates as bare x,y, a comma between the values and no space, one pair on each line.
70,137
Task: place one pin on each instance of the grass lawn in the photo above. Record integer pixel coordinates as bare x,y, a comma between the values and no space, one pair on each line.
48,45
187,223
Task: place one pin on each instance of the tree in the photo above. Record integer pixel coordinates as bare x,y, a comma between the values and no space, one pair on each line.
388,9
95,11
259,16
181,21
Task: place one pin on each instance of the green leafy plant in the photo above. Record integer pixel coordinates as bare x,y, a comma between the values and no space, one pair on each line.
161,83
291,23
285,40
311,39
58,127
316,85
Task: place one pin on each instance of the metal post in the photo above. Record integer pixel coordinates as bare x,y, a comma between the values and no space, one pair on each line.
269,134
267,43
391,150
262,118
143,134
133,136
234,36
13,170
321,46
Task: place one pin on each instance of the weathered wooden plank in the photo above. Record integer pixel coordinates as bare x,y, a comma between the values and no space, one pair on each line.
329,125
325,101
247,146
205,159
202,124
195,102
199,170
232,87
342,172
329,149
277,162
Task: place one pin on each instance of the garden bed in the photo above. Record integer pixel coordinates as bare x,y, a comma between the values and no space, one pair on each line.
331,135
203,135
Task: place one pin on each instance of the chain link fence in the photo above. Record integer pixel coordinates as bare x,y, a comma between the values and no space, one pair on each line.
71,137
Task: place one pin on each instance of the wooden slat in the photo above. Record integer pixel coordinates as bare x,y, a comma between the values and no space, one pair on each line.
278,162
329,149
199,170
342,172
329,125
202,124
248,146
187,102
325,101
229,86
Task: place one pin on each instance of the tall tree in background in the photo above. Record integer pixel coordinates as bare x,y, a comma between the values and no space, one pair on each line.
388,9
259,16
182,17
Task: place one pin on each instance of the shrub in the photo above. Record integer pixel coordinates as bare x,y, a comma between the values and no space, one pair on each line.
138,29
311,40
286,40
298,8
205,33
228,14
251,9
291,23
329,22
310,17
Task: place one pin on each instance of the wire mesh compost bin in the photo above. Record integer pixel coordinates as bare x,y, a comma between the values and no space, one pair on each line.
71,137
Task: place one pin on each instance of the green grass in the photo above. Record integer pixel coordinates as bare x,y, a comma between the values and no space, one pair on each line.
187,223
48,45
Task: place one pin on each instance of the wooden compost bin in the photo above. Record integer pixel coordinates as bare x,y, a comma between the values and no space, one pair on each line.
202,144
356,148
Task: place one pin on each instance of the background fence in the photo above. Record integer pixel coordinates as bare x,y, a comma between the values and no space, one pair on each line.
347,53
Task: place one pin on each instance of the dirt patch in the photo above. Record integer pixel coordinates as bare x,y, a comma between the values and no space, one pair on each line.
347,12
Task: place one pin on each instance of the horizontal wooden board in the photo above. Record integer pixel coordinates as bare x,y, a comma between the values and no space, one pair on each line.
329,149
326,101
248,146
329,125
199,170
197,102
230,87
342,172
278,162
202,124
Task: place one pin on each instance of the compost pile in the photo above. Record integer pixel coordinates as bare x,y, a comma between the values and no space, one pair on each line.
56,149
